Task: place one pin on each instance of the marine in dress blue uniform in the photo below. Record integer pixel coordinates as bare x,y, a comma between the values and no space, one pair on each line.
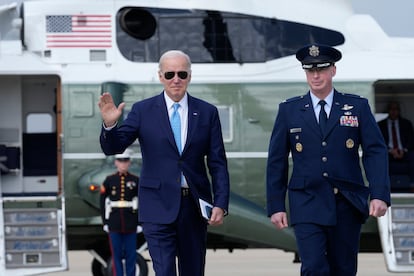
328,199
119,211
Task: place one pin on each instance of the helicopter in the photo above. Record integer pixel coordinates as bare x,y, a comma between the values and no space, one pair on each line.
58,57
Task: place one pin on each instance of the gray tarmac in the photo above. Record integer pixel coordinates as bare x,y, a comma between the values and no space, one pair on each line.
250,262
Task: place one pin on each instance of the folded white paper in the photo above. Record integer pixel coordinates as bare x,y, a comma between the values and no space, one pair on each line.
206,208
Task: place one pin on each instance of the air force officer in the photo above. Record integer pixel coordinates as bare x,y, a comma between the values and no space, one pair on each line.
328,200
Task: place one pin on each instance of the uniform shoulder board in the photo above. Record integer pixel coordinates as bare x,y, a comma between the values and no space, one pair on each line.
293,99
352,95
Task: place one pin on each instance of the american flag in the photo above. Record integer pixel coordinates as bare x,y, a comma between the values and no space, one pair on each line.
78,31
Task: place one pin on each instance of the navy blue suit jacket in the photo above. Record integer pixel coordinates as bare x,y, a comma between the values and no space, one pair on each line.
322,162
406,132
159,187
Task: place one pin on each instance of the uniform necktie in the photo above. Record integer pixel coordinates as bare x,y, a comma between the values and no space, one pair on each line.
176,126
394,135
323,118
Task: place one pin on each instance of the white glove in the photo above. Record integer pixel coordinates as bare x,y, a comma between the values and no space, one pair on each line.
106,228
139,229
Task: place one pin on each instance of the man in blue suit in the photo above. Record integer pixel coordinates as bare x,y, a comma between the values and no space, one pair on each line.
328,199
173,175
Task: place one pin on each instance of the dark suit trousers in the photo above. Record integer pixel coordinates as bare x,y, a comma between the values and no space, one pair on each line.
185,239
403,166
330,250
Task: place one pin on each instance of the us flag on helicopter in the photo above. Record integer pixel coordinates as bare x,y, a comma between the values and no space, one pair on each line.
79,31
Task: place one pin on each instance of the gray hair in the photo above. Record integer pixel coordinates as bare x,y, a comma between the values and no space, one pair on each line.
174,53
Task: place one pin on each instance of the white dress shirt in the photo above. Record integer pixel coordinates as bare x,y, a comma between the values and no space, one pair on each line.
317,106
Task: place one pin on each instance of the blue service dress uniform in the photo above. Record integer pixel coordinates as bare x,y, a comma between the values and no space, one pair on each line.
327,185
119,210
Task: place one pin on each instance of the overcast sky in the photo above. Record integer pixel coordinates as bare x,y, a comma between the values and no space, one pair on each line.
395,16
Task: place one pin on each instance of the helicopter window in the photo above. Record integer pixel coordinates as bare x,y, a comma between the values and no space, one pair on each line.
143,34
138,23
39,123
97,55
225,114
81,103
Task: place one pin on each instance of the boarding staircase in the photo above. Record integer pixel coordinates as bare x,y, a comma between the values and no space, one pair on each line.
32,237
396,231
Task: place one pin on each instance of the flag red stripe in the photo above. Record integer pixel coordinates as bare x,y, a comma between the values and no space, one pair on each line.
77,41
79,46
90,26
90,15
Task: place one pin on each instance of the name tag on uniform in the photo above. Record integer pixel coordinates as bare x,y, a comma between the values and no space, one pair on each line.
350,121
295,130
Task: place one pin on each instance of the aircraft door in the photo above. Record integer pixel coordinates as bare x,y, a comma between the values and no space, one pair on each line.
10,134
396,228
32,213
39,137
28,139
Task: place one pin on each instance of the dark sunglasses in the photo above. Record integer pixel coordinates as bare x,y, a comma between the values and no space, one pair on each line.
181,74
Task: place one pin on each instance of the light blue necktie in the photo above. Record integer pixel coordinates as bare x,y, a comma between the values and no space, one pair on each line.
176,126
